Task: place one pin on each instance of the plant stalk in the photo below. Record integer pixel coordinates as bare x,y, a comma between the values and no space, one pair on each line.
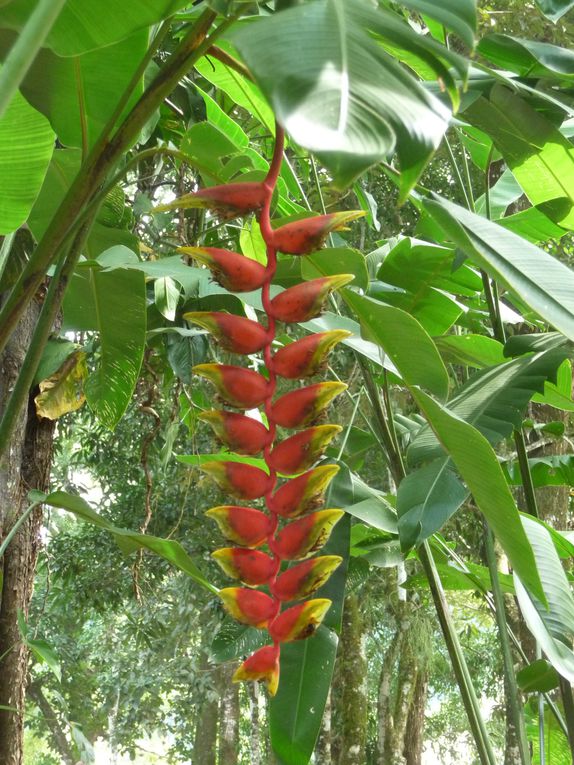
513,696
460,668
14,530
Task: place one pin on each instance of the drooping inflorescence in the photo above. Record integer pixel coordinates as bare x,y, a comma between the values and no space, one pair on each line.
276,586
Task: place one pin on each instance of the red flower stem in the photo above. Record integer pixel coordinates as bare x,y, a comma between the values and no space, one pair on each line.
267,233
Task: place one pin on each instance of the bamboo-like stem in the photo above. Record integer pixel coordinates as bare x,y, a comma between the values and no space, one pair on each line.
100,161
22,54
14,530
460,668
513,695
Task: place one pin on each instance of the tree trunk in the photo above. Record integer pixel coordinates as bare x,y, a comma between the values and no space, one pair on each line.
228,719
205,739
24,466
323,748
384,717
255,735
59,739
414,738
405,693
353,676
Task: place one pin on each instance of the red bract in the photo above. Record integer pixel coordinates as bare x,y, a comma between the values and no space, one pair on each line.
261,665
302,538
239,387
298,453
308,356
299,622
253,567
304,406
304,236
240,433
239,480
232,270
228,201
305,578
302,494
248,606
306,300
242,525
234,333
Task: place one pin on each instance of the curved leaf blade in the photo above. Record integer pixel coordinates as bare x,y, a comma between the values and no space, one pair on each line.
405,341
85,26
555,9
458,15
119,302
479,467
494,400
343,97
26,147
426,499
543,282
127,540
553,627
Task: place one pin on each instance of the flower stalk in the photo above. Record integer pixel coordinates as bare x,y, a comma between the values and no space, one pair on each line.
277,584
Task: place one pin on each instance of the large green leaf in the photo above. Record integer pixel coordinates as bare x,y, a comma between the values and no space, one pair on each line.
458,15
554,470
336,260
540,157
343,97
26,145
82,89
426,499
405,341
528,58
536,224
83,26
296,712
238,88
542,282
555,9
494,400
478,465
129,541
424,274
552,626
113,303
471,350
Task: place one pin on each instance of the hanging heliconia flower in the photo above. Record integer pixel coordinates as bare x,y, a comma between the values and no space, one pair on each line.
293,527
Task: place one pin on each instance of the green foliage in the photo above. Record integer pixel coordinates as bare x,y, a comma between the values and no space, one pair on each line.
26,146
357,85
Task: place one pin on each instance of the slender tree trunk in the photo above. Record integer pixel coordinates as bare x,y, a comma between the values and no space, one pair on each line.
353,676
414,738
205,740
57,732
255,735
323,748
384,701
25,466
405,692
228,719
